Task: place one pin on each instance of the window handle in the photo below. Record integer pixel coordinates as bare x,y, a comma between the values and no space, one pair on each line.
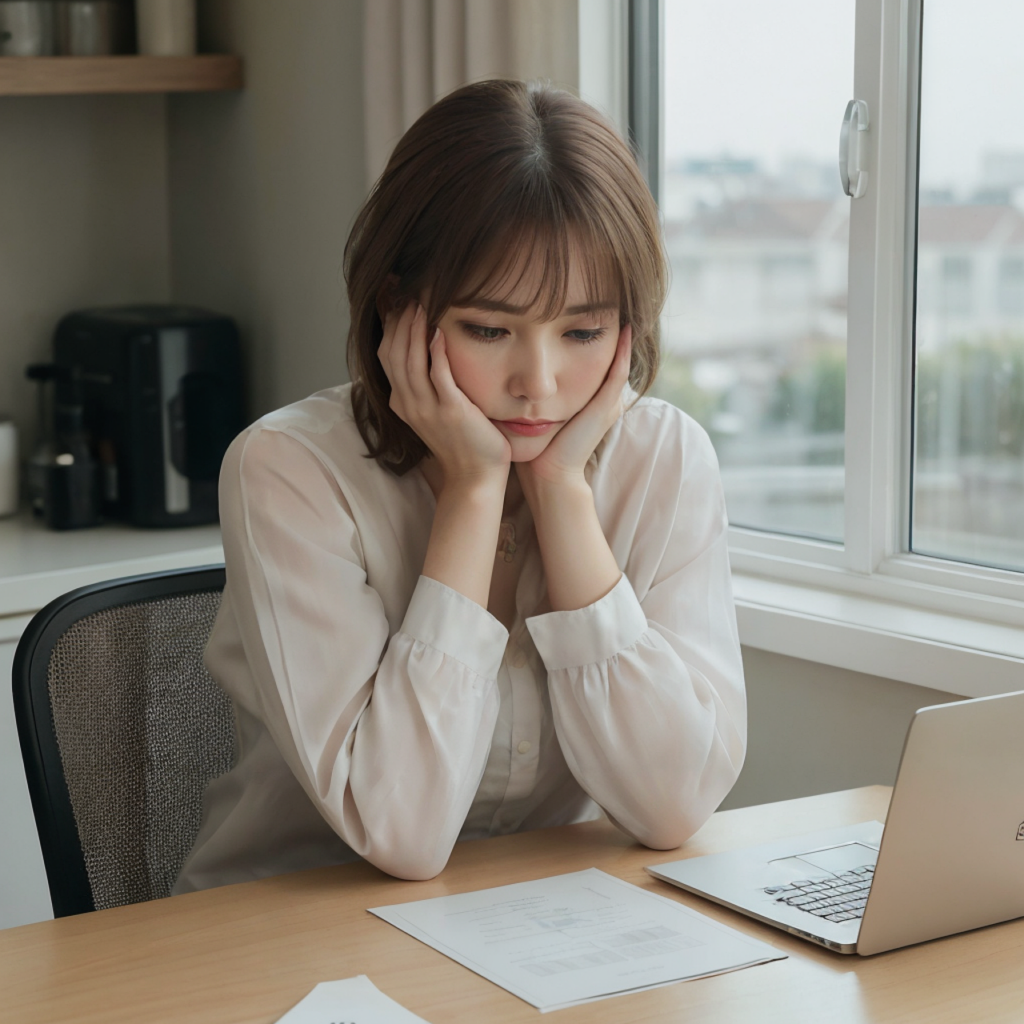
853,149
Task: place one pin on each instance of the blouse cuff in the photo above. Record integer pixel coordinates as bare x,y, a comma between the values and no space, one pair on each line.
451,623
592,634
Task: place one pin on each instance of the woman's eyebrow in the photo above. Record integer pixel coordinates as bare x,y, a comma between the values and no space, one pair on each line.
497,306
590,307
491,306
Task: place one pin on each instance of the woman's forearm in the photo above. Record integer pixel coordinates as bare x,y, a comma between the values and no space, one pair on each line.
578,563
464,535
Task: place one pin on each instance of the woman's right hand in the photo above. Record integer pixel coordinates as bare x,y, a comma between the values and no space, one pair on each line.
466,445
472,455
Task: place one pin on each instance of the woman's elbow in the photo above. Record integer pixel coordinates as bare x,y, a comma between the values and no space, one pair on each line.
410,854
671,831
409,865
686,811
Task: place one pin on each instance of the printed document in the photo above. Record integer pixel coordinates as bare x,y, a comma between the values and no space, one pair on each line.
574,938
350,1001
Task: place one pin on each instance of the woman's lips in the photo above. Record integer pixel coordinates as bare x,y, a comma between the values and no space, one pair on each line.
527,428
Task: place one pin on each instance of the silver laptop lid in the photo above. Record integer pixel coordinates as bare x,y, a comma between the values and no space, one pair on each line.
952,854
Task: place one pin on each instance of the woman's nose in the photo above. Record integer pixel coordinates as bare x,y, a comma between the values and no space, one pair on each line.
533,374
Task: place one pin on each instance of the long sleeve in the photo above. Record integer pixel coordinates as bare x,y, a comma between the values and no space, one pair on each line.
387,730
646,684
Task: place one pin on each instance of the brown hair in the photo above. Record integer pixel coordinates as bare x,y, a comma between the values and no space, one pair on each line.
493,170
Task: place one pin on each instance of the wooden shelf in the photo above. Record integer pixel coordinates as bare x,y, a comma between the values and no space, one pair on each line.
55,76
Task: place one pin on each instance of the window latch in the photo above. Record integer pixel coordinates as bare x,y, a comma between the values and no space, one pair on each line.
853,149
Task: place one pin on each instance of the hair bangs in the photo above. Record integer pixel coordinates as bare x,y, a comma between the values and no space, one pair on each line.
547,252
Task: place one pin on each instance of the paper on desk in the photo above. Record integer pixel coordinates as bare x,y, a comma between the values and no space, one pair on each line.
349,1001
574,938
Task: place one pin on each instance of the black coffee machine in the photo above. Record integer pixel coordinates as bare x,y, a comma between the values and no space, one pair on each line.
159,389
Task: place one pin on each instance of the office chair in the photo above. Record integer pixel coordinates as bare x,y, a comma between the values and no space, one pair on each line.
121,728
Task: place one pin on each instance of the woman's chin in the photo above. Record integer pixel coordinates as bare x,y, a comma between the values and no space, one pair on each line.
526,449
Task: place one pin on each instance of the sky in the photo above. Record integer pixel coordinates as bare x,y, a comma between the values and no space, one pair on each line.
771,79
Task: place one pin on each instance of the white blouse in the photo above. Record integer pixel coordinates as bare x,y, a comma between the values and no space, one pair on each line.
381,714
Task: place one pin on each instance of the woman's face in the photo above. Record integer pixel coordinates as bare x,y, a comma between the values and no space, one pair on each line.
531,376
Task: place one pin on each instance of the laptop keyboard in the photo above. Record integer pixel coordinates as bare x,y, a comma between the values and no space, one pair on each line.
839,898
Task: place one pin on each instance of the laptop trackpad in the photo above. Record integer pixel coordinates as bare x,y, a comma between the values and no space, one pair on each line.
835,859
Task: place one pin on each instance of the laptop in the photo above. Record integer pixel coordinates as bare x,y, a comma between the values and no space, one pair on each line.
949,858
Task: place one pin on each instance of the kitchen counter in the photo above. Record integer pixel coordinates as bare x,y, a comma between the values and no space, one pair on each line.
38,564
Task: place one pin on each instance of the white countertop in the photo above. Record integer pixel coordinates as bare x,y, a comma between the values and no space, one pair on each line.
38,564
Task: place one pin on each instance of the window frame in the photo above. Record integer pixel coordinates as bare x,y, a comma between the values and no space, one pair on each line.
942,615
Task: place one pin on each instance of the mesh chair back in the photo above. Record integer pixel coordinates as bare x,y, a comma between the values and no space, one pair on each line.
140,728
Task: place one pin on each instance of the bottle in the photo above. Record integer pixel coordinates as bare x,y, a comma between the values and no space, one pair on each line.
8,467
44,374
71,497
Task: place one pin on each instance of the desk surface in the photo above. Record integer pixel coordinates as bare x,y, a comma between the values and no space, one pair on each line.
247,953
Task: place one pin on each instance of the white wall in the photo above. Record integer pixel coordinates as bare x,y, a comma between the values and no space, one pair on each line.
83,222
816,729
265,183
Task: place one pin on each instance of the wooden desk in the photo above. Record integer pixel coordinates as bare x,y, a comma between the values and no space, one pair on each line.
247,953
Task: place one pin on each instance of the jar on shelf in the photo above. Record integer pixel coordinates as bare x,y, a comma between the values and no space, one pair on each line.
28,28
94,28
166,28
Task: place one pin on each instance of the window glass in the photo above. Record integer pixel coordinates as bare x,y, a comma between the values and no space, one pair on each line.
968,474
756,226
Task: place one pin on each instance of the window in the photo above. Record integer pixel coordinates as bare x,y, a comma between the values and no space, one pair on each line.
757,351
858,362
968,469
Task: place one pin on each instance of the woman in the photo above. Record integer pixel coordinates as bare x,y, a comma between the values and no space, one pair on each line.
485,587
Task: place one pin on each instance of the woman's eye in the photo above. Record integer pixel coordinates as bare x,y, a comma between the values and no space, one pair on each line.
484,333
586,335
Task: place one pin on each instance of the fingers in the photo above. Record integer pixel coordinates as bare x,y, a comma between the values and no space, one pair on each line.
607,404
441,371
394,328
416,371
623,354
618,372
403,354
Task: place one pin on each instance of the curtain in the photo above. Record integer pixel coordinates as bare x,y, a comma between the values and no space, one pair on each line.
415,51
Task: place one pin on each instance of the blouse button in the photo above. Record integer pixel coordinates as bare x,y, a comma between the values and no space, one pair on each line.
524,747
519,658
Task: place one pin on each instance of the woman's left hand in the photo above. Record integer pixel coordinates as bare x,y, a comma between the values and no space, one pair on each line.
565,458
